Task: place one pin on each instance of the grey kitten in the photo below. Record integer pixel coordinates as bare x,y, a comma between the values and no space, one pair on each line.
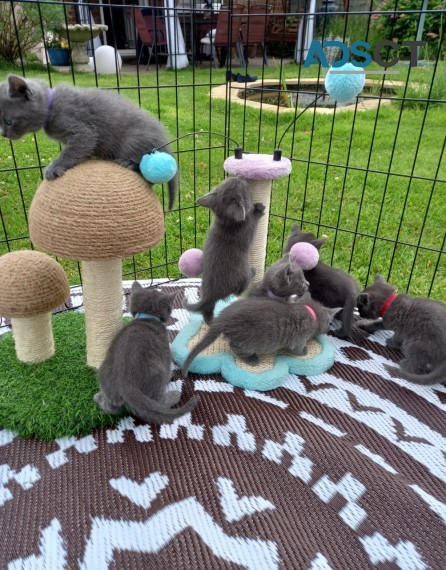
137,366
261,326
419,327
331,287
283,281
225,264
88,122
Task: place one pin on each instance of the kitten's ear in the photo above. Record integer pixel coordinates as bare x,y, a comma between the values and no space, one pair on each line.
318,243
379,279
136,286
363,300
236,211
171,298
18,87
295,229
208,200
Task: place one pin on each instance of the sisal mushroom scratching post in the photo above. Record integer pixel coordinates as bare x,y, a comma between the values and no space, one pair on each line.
260,170
32,284
97,213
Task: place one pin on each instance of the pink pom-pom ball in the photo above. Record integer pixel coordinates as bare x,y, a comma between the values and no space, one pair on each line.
190,262
305,255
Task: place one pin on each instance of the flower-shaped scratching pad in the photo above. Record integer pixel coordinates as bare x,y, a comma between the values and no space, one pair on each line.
272,369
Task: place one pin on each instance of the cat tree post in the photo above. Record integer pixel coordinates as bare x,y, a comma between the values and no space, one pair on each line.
260,170
97,213
32,284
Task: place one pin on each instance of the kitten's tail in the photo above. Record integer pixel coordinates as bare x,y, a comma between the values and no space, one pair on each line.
436,376
213,333
150,410
204,306
172,188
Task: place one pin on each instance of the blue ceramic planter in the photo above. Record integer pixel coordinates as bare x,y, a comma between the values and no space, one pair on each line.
59,56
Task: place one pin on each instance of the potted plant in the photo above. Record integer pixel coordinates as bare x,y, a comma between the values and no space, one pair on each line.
57,49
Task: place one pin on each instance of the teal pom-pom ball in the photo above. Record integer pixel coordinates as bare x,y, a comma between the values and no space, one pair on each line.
344,87
158,167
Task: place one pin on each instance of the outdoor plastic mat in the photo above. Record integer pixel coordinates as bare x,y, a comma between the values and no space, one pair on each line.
342,470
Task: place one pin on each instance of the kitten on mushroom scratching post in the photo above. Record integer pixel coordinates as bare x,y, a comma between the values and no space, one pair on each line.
90,123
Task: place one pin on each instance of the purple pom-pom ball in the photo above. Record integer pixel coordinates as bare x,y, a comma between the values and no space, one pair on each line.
190,262
305,255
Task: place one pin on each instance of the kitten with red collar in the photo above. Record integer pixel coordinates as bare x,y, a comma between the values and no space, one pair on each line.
419,327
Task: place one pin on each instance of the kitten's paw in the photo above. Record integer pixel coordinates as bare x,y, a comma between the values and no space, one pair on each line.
172,397
300,351
105,404
129,164
259,209
252,359
392,343
53,172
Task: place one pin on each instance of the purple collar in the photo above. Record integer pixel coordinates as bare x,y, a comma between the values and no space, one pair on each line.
271,295
50,94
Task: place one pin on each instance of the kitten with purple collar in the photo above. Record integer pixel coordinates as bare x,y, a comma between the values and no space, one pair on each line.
284,281
137,367
419,327
90,123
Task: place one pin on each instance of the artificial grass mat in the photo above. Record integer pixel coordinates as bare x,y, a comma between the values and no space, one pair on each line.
52,399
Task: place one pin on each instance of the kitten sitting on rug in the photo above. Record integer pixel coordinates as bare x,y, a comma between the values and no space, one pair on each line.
331,287
284,281
137,367
88,122
225,264
419,327
262,326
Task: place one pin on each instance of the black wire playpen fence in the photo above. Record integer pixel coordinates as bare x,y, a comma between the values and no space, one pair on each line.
370,175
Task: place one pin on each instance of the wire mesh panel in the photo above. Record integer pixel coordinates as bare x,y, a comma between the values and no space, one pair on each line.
370,175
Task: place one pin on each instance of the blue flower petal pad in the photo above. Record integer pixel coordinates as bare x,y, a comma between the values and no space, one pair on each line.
244,376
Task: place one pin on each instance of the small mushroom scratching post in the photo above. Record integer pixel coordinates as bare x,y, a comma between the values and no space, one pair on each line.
32,284
260,170
97,213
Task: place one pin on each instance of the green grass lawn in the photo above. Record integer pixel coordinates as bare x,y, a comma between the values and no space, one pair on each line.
372,181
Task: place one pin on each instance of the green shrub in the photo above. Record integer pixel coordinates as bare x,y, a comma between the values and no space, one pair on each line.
21,26
403,27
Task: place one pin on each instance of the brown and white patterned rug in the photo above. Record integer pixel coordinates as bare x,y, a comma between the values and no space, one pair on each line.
343,470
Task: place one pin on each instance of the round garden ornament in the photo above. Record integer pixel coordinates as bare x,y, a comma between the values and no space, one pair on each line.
106,60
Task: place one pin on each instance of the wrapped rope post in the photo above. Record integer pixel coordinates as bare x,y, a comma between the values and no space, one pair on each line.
97,213
260,170
32,284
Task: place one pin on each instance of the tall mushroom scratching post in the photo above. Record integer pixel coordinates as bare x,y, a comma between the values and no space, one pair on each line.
32,284
97,213
260,170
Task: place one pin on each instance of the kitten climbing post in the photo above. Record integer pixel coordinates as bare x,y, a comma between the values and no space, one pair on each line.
260,170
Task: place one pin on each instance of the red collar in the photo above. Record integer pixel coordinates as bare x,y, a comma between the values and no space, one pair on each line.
387,304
